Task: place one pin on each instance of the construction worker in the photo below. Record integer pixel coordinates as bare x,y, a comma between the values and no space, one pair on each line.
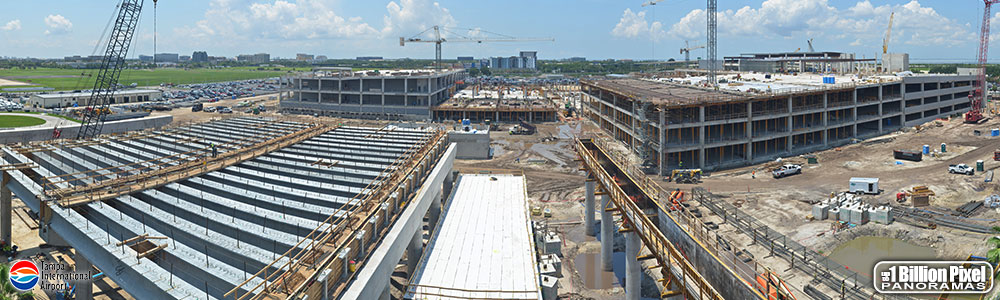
215,151
680,164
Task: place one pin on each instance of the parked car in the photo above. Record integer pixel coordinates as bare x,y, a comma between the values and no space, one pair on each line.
210,109
786,170
961,169
197,107
225,110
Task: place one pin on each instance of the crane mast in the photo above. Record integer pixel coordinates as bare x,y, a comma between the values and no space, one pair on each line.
111,67
979,86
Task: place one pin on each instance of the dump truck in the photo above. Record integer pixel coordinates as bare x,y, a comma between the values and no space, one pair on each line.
522,129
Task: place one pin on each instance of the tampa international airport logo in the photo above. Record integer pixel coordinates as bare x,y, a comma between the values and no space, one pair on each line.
23,275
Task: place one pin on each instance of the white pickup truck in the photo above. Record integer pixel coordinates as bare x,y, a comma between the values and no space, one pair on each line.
961,169
786,170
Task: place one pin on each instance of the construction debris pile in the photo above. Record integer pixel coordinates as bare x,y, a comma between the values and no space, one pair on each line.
849,208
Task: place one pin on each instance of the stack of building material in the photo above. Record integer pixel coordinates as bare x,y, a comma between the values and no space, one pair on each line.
969,208
920,196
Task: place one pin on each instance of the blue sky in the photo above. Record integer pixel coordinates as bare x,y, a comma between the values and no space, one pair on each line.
930,30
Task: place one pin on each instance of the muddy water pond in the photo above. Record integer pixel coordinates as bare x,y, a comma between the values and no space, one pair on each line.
861,254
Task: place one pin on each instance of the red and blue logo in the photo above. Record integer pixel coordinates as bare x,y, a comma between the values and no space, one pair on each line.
24,275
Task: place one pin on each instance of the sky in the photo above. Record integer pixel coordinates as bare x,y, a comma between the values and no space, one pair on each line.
930,30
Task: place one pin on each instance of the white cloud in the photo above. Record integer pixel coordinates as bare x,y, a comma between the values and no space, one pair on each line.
57,24
409,17
634,25
287,20
914,24
12,25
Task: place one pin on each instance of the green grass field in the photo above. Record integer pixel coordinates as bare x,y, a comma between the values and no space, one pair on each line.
73,79
8,121
38,113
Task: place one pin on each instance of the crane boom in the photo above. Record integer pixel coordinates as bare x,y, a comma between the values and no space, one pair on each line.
438,40
888,34
979,86
111,68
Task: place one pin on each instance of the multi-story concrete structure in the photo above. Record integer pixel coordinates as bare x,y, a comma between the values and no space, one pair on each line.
304,57
526,60
399,94
672,124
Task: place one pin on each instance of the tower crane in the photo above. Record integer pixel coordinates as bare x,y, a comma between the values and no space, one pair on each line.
653,2
810,41
687,50
975,114
888,34
111,67
438,40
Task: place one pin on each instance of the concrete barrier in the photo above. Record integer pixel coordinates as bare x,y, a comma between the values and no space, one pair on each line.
42,134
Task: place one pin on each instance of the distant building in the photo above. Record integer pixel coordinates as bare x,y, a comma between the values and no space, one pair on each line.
145,58
321,58
466,58
167,57
304,57
526,60
80,99
215,59
369,58
577,59
529,59
259,58
184,58
199,57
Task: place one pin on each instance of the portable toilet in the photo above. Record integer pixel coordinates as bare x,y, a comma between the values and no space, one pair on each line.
864,185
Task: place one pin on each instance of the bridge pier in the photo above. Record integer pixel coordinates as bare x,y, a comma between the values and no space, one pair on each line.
607,234
435,210
84,288
633,271
588,212
413,251
6,209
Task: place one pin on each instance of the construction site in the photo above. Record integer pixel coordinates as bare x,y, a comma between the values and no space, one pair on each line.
773,176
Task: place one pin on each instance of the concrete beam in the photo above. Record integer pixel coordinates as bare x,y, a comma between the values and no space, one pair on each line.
372,279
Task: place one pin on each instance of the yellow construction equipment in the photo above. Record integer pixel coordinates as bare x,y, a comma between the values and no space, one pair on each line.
686,175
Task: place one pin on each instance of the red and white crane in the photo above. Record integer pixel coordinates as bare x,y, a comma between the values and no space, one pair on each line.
979,92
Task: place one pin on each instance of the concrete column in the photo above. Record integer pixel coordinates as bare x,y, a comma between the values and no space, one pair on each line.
663,141
5,208
749,132
607,234
633,271
84,288
701,138
413,252
588,213
449,182
435,211
386,294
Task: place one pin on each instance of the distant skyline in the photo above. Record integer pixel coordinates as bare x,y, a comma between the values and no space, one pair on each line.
930,30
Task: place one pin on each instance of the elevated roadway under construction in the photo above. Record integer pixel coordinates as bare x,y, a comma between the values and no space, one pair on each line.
693,260
277,211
